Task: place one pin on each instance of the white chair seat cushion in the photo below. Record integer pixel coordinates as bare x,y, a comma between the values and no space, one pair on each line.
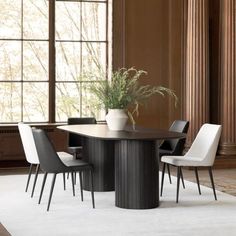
64,156
183,161
34,162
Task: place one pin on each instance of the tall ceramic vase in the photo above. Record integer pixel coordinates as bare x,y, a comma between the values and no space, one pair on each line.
116,119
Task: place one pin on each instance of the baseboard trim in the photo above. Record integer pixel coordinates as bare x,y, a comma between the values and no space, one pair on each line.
225,162
227,149
13,164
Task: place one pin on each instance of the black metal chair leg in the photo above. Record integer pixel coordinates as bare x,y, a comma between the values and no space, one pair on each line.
92,192
42,188
51,191
73,184
168,169
75,178
68,175
64,180
178,180
212,182
35,179
197,178
81,186
182,177
162,177
29,175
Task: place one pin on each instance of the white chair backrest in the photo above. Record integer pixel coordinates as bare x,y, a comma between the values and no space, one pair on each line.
28,143
205,144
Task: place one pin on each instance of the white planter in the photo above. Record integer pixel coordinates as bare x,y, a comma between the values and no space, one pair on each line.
116,119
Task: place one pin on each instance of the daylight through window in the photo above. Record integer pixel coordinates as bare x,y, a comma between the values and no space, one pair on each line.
50,53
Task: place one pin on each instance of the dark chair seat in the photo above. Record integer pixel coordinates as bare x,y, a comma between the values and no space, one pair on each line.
76,165
165,152
76,151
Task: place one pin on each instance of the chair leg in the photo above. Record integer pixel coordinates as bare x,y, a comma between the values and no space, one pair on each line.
212,182
64,181
178,180
73,184
75,178
51,191
168,169
35,179
197,178
68,175
81,186
163,176
29,175
92,192
182,177
42,188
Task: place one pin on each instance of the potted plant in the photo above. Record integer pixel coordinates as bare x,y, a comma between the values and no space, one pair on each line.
122,95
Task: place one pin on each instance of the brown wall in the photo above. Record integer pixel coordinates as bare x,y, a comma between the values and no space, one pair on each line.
11,149
151,35
152,40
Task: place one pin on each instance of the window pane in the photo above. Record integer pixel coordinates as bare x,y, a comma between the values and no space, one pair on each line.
35,17
94,60
10,19
89,102
10,102
35,62
10,58
68,20
35,100
68,61
67,100
94,21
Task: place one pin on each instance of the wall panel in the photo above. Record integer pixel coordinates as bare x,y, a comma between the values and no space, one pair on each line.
153,43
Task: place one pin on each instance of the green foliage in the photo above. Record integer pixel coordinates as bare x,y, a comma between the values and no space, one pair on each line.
124,90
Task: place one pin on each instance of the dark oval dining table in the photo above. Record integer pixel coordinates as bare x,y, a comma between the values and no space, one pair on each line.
126,161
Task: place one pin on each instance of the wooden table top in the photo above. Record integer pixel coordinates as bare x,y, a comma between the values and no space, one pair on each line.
101,131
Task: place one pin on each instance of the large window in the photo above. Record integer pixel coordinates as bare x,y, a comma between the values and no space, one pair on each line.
50,53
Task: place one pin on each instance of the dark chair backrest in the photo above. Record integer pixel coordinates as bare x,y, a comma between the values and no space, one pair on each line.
74,139
176,145
48,158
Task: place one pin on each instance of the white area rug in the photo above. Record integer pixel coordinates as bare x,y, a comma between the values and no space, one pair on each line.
68,216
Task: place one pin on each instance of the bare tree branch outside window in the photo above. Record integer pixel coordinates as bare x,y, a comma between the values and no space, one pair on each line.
81,58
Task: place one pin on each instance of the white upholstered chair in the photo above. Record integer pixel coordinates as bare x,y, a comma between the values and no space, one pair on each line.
32,155
201,154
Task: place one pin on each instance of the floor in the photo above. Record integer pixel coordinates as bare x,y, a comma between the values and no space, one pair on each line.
225,180
194,215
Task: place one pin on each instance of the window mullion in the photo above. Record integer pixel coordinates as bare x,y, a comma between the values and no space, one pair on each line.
22,58
51,61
